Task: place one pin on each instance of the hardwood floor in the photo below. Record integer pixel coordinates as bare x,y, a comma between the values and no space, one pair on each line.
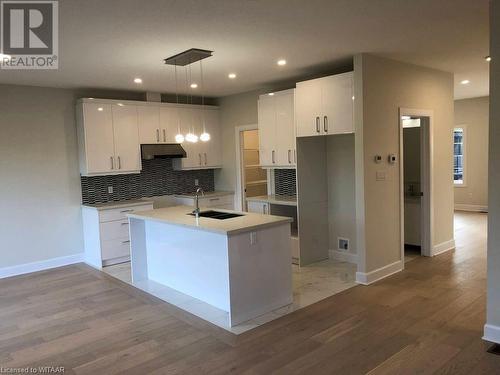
427,319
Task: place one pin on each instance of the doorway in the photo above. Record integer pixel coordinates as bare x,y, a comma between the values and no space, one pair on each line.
252,179
415,183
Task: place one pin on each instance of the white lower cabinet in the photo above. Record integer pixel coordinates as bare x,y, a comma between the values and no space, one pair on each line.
106,232
258,207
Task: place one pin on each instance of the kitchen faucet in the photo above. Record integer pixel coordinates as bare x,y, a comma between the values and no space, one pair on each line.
196,211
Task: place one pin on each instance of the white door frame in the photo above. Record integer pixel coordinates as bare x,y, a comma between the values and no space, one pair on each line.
427,155
240,184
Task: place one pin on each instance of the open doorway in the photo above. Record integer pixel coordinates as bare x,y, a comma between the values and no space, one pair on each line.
415,172
252,179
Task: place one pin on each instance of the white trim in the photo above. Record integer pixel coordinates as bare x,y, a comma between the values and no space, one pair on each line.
343,256
491,333
379,274
443,247
41,265
238,193
470,207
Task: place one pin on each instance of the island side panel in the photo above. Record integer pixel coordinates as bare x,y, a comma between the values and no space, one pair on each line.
189,260
138,250
260,272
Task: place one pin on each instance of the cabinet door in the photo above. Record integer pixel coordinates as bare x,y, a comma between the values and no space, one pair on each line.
190,123
337,104
148,118
98,128
170,124
285,128
212,149
267,130
126,135
258,207
308,108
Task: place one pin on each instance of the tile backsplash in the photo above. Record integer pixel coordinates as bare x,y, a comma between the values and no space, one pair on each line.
285,181
156,178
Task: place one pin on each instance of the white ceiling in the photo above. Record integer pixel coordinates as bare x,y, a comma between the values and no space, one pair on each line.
105,44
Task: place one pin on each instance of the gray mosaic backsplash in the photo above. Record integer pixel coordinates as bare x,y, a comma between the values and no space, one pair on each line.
156,178
285,181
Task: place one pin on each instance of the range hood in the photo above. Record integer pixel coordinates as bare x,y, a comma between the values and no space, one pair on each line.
168,150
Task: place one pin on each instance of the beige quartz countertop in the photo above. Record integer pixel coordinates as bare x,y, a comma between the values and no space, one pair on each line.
179,215
285,200
209,194
119,204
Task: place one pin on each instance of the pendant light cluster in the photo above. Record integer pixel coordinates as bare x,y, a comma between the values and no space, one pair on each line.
186,59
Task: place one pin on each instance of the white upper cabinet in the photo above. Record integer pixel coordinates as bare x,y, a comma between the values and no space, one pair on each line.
149,124
325,106
277,129
126,139
212,150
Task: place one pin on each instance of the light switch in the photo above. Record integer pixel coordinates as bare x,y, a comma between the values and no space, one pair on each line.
110,189
381,176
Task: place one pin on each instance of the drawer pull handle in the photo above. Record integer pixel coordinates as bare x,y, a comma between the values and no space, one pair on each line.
214,199
123,211
125,223
124,242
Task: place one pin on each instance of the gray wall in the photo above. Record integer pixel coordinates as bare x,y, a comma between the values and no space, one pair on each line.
40,184
473,115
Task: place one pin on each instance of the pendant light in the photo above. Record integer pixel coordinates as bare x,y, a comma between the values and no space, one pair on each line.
190,137
204,137
179,138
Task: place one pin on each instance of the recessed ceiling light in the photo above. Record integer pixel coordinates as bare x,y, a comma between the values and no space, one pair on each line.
232,75
4,57
488,58
137,80
194,85
465,82
281,62
271,94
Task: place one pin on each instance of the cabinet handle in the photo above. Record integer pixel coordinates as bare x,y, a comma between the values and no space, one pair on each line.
119,163
124,242
317,124
112,164
125,223
123,211
214,199
325,124
289,156
205,158
158,135
199,157
272,155
164,136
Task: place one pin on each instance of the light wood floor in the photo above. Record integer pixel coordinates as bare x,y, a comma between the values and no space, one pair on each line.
427,319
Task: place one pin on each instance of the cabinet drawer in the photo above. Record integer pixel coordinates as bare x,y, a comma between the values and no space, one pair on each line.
115,248
112,230
121,213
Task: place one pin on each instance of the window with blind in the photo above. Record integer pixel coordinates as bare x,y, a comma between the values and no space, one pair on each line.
458,156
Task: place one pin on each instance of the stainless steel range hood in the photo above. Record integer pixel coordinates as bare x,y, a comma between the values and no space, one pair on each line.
168,150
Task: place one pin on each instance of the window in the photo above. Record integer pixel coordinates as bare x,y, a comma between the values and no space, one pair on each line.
458,156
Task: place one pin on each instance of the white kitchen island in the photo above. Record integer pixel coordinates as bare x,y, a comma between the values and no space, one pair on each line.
241,266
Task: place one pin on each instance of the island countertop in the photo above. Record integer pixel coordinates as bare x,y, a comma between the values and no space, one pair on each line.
179,215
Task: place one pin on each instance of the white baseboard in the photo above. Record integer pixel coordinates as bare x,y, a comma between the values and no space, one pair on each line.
343,256
379,274
40,266
470,207
443,247
491,333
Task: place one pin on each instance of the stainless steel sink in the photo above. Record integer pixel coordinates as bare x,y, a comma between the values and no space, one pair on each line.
219,215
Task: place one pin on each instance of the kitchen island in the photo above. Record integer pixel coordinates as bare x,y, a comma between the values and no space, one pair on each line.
238,263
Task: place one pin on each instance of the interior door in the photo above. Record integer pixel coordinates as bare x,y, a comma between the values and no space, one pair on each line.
98,124
285,128
308,109
337,103
126,135
148,118
267,130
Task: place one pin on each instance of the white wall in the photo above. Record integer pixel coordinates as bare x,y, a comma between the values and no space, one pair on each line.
473,115
382,86
40,192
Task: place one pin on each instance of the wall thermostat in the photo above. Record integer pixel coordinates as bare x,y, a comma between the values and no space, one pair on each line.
392,159
378,158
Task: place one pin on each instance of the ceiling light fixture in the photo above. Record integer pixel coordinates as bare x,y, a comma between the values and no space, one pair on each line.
465,82
281,62
488,58
138,80
232,75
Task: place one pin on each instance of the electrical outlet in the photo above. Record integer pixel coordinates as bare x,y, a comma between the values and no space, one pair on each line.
110,189
343,243
196,182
